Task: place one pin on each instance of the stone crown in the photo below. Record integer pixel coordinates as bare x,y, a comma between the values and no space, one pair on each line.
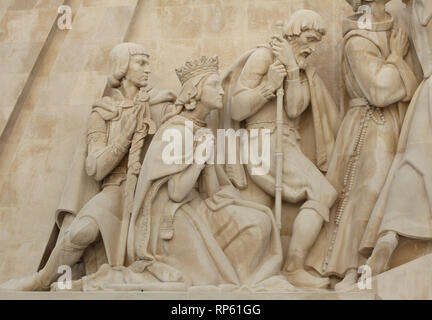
197,67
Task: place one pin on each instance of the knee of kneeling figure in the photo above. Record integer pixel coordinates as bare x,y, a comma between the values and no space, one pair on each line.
83,233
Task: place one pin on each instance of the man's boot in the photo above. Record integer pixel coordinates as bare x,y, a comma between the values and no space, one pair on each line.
64,253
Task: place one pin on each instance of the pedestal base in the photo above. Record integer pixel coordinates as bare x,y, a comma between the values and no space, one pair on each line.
303,295
412,281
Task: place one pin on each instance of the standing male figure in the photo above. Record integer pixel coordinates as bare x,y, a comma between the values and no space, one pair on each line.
117,127
255,78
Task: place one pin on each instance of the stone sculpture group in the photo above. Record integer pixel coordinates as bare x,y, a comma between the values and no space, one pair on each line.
359,172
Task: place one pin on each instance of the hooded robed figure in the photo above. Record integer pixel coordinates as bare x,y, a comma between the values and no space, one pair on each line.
379,84
94,210
189,225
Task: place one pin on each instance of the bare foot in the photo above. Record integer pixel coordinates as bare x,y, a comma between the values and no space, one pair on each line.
380,258
348,282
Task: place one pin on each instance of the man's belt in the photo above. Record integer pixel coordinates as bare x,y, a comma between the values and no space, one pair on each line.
358,102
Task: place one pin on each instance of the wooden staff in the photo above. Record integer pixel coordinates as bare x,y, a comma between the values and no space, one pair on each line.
279,147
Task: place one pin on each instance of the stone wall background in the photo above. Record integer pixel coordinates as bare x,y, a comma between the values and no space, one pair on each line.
49,79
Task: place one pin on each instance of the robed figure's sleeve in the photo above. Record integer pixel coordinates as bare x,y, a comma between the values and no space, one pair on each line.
382,81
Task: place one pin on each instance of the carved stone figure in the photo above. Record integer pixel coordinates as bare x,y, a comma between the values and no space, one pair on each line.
379,83
98,196
404,206
189,225
252,83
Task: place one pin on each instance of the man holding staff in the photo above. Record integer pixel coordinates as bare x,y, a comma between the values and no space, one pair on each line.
255,78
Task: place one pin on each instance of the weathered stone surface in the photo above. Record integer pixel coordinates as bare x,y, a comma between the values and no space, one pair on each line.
49,79
411,281
186,296
69,74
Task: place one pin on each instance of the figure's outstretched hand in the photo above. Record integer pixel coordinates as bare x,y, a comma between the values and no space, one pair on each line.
399,43
283,52
276,75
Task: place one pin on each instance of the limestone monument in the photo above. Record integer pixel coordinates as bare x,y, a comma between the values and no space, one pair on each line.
155,188
232,241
